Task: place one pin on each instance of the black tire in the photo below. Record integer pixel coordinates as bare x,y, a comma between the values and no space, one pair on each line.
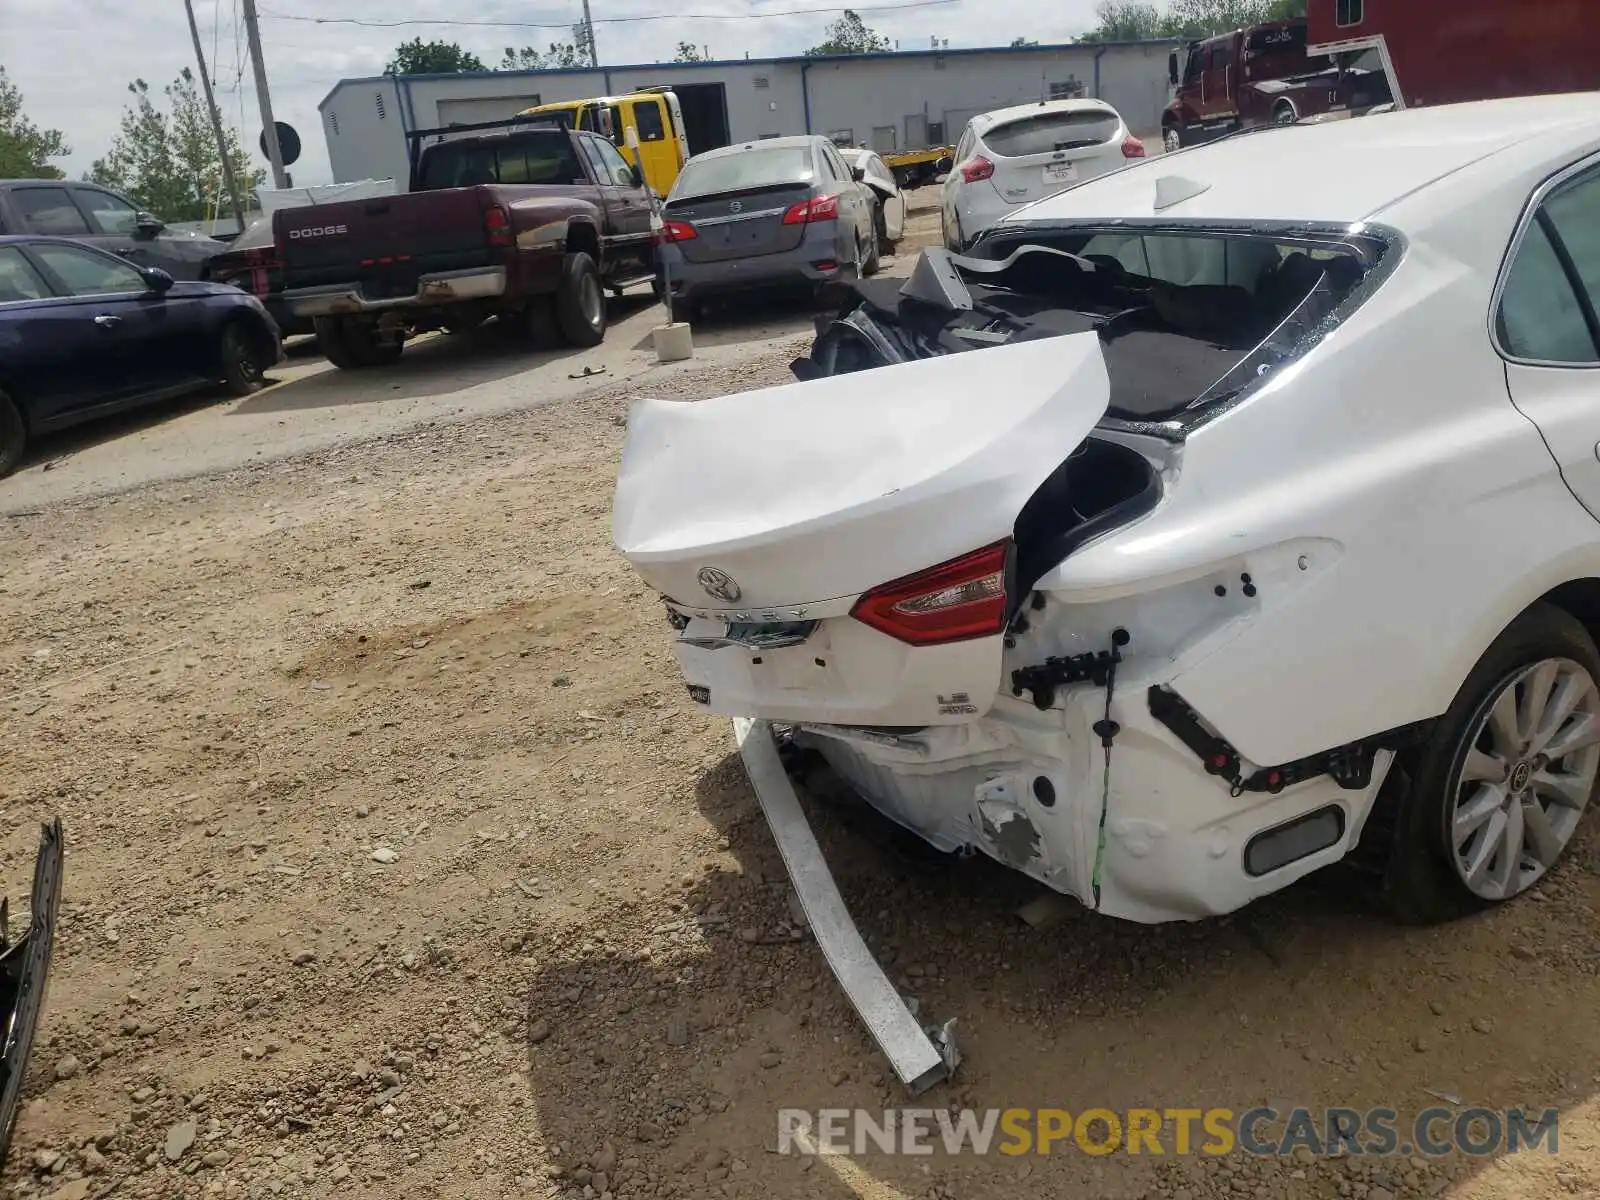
580,304
239,360
870,260
1283,113
880,228
353,345
13,435
1408,832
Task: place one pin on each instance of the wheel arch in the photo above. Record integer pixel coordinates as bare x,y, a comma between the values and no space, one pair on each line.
257,328
583,237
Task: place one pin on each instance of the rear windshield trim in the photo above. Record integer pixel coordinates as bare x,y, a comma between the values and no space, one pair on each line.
1378,248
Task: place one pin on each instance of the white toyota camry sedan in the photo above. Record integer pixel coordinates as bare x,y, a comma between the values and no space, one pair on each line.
1206,524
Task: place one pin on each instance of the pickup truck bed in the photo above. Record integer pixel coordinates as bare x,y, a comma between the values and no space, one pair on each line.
527,226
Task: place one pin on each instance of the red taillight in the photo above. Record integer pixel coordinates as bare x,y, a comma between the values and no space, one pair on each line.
497,225
1132,147
676,231
977,170
822,208
958,600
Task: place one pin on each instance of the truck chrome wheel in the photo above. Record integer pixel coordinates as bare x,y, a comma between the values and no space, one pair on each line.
1171,139
1525,777
591,299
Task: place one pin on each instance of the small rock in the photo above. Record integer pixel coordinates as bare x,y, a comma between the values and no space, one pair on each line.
129,1025
1420,1044
144,1095
93,1161
538,1032
339,1173
1483,1024
384,855
67,1066
770,1059
179,1138
46,1160
78,1189
606,1161
305,958
363,812
217,1158
1523,951
561,681
1436,1007
360,1070
648,1131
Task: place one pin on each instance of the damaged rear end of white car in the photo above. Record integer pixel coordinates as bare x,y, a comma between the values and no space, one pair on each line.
876,563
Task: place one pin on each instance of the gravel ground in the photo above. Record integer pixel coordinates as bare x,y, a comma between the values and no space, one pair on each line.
401,866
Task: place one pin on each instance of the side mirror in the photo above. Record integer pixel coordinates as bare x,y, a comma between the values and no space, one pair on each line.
858,174
157,280
1172,68
944,166
148,224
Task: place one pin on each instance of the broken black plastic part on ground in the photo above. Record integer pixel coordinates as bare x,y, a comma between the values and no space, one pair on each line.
24,972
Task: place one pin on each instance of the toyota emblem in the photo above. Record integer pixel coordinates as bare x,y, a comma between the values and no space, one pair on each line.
734,206
719,585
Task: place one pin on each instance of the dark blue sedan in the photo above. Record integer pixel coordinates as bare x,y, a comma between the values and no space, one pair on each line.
83,333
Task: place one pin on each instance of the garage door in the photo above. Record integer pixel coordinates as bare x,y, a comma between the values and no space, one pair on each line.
493,108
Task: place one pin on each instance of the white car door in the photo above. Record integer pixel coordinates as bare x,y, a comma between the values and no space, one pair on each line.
1546,325
894,202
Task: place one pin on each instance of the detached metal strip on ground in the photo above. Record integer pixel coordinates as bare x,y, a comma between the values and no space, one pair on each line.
916,1059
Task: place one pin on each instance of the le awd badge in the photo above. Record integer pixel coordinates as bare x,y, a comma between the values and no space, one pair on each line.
957,704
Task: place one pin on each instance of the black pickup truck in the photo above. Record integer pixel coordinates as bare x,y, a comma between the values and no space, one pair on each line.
525,221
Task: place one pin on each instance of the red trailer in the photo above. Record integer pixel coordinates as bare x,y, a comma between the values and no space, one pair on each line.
1444,51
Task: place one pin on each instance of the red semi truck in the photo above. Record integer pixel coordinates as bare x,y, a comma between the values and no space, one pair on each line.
1350,57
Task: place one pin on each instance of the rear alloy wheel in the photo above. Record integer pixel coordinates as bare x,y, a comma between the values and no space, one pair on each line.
13,435
1511,767
580,305
242,369
1171,139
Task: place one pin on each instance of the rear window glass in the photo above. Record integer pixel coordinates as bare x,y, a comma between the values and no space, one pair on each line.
743,171
1185,320
256,236
1048,132
546,158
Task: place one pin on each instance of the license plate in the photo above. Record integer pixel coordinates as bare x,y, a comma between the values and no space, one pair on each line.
1062,172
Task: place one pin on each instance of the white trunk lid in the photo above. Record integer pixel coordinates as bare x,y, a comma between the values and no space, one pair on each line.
792,501
815,491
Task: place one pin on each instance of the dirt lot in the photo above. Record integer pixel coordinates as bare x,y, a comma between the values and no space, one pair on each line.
400,866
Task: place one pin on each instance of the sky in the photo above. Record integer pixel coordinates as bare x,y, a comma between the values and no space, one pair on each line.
73,59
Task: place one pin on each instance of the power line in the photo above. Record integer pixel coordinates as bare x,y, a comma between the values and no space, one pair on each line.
793,12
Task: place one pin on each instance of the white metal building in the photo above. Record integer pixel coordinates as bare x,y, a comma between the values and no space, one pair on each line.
898,100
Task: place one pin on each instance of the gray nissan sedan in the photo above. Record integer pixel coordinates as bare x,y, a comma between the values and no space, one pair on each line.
778,213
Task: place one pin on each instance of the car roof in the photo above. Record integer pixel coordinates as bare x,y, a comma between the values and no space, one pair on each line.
1380,166
792,141
999,116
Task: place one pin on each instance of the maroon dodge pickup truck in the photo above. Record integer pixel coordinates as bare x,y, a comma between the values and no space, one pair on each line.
526,223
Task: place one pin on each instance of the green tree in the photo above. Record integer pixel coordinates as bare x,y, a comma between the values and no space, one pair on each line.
165,159
417,57
573,54
849,35
524,58
25,149
1019,42
1132,20
688,52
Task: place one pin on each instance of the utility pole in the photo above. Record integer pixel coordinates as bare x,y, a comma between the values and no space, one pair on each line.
216,120
252,27
588,32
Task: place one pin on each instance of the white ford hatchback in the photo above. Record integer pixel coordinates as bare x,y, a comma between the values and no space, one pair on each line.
1014,156
1215,521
